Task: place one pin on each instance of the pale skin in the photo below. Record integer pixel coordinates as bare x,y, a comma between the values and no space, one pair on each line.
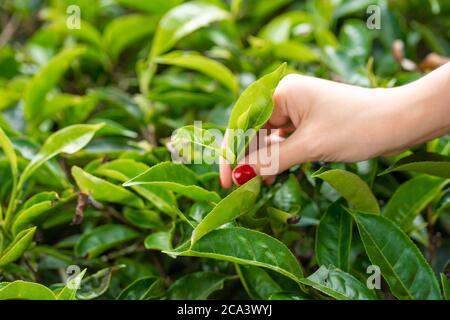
336,122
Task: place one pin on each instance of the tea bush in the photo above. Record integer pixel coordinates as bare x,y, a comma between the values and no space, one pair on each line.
89,194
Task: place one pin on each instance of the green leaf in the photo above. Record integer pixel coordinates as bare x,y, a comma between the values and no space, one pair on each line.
291,50
8,149
125,169
46,78
196,286
279,29
401,263
40,197
445,286
355,37
288,197
189,143
24,290
174,177
87,33
411,198
352,188
256,101
26,216
147,219
429,163
197,62
160,240
97,284
103,238
123,31
18,246
257,282
247,247
237,203
338,284
102,190
333,237
68,140
183,20
69,291
142,289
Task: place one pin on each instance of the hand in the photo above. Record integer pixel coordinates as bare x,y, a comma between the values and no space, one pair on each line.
335,122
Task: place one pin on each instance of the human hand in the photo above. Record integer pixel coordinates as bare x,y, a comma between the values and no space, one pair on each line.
336,122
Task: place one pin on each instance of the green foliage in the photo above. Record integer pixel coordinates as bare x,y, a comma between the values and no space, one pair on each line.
86,177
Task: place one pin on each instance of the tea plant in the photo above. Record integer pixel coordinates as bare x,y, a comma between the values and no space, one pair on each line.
92,207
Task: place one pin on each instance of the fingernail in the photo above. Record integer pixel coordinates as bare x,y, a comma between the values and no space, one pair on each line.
243,173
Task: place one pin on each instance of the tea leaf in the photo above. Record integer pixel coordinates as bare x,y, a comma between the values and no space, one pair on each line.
247,247
174,177
352,188
183,20
124,31
411,198
257,282
402,265
428,163
26,216
46,78
197,62
102,190
68,140
69,291
235,204
142,289
25,290
333,237
103,238
338,284
18,246
256,101
8,149
196,286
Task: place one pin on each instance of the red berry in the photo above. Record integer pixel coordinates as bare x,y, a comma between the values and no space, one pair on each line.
243,173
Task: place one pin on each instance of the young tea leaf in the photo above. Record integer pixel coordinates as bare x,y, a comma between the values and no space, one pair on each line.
17,247
256,103
68,140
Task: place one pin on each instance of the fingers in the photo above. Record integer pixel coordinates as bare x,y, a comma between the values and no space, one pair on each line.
225,168
272,160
